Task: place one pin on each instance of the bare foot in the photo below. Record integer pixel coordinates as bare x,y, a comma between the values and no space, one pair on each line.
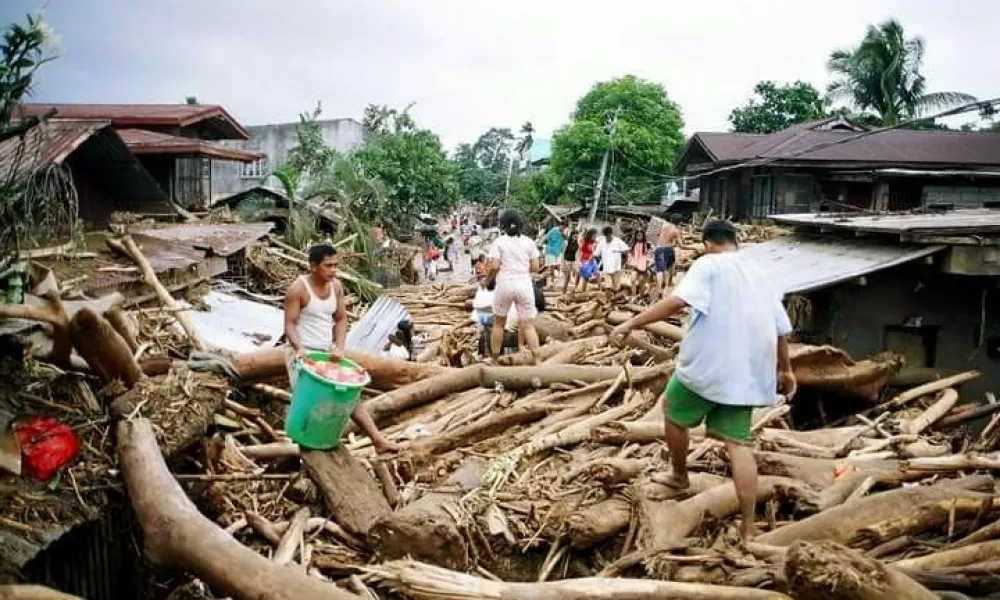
667,485
385,446
748,530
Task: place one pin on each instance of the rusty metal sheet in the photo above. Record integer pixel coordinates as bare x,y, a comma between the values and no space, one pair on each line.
223,239
798,264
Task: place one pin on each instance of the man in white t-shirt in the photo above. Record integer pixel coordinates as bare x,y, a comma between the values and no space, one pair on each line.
610,250
734,357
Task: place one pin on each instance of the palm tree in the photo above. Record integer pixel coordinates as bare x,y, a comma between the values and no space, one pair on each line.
882,75
527,139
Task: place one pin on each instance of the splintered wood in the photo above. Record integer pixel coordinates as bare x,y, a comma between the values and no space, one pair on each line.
541,475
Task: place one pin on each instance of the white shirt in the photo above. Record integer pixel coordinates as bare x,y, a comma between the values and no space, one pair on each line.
515,254
610,254
730,352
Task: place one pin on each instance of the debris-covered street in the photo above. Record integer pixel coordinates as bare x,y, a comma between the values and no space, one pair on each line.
330,359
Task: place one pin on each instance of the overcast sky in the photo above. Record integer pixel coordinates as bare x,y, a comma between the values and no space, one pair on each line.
472,64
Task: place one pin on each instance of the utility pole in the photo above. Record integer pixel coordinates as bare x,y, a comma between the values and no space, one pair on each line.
604,164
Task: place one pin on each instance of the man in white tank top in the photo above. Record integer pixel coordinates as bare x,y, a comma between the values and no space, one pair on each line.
316,319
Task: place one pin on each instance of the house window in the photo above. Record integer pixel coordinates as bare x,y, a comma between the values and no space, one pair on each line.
254,170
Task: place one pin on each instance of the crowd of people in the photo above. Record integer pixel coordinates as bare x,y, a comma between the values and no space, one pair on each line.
584,256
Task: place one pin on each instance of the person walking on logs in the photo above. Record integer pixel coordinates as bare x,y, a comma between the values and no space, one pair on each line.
316,320
732,359
513,257
665,255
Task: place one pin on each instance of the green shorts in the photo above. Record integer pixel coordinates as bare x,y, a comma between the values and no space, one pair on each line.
687,409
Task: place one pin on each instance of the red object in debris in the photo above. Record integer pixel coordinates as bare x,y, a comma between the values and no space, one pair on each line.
47,445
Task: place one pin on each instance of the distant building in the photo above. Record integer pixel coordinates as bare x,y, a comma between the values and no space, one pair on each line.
540,154
272,143
174,142
836,165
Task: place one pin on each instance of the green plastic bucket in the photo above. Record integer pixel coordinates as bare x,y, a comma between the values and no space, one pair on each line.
321,408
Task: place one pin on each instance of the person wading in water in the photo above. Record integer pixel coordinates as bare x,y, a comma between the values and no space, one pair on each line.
316,321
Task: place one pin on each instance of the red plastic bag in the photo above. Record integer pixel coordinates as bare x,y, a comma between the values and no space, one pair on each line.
47,445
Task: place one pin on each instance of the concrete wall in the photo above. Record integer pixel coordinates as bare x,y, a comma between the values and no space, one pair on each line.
949,307
275,141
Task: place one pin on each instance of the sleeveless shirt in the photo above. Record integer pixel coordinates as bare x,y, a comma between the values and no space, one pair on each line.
315,322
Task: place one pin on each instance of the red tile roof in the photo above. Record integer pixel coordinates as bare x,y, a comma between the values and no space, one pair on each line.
147,115
142,141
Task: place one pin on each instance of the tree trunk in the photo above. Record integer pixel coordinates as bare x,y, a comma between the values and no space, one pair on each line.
979,580
550,329
878,517
387,373
176,535
937,410
426,582
349,491
832,572
956,557
32,592
928,388
128,246
106,352
425,529
598,522
659,329
124,325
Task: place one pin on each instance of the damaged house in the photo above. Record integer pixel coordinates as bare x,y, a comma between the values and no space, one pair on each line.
106,174
175,143
836,165
923,285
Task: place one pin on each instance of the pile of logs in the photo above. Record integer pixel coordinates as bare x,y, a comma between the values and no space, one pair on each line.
536,477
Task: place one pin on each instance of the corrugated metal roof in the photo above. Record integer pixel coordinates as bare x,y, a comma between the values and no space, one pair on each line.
240,325
142,141
895,146
798,264
224,239
963,221
372,330
139,115
49,143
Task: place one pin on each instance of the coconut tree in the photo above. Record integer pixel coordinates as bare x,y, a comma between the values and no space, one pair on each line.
881,75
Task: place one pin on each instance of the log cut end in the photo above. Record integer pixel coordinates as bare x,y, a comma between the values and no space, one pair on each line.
834,572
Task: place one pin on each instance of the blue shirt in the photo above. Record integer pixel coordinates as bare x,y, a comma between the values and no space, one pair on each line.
730,352
554,242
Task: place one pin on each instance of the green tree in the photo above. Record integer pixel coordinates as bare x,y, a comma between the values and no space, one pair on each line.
529,192
881,75
774,107
410,163
633,119
482,167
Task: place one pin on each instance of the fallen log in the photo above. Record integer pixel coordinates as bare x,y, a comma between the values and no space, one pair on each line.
659,329
427,582
956,557
103,349
387,373
124,325
876,518
176,534
51,311
927,389
127,246
33,592
979,580
832,572
946,401
426,528
350,493
603,520
549,328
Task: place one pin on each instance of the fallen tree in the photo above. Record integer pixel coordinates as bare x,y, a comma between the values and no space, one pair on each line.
832,572
177,535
